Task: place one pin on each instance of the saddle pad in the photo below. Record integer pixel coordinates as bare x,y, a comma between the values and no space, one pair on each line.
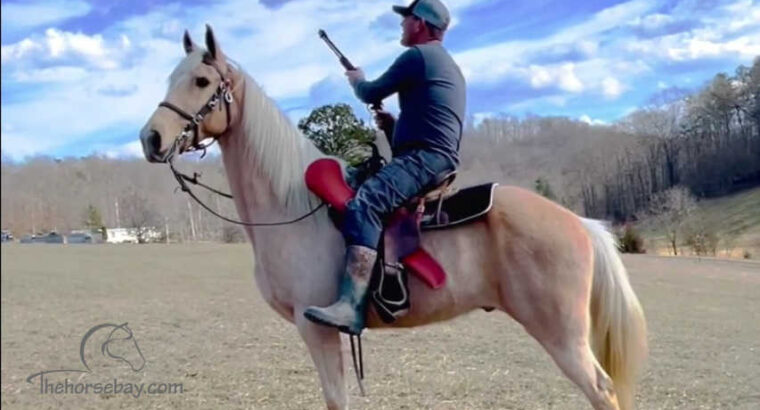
464,206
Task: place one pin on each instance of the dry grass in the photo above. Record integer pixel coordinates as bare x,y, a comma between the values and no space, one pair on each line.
200,321
734,219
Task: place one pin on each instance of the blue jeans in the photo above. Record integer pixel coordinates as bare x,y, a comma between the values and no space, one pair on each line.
395,184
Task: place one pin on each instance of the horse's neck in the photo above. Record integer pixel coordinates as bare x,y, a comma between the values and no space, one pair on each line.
252,190
253,171
265,158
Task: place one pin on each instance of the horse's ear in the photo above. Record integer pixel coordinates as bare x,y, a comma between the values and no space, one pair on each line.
187,42
211,44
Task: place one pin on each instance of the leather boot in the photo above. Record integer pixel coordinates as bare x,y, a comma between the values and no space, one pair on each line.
348,313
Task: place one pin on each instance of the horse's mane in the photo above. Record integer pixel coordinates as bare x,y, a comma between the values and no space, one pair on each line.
275,145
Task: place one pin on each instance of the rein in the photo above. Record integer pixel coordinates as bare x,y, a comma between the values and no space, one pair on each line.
183,179
224,93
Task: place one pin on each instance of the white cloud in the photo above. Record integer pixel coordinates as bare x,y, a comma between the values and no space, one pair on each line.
19,50
744,13
129,150
60,74
588,47
286,59
57,45
611,87
280,49
730,32
652,21
697,48
293,82
561,76
568,81
20,16
591,121
495,61
540,77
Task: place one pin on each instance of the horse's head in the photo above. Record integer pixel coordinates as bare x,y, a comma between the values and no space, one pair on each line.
197,105
122,345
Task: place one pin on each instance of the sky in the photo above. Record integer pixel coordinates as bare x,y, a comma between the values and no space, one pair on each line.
81,77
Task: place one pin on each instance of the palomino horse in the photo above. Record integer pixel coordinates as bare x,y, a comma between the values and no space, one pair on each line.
557,274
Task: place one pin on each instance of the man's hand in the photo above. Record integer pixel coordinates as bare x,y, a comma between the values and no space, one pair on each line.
384,120
355,76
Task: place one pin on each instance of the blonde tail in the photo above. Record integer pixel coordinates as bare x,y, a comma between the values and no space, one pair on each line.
618,327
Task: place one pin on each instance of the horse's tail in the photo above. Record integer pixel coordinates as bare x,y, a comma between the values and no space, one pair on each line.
618,327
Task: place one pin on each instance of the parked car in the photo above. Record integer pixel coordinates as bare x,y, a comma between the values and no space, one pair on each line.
79,237
7,236
52,237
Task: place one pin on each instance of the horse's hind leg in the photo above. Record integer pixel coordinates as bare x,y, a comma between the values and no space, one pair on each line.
577,361
324,345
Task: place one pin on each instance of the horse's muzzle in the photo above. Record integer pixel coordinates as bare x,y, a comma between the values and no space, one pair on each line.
151,144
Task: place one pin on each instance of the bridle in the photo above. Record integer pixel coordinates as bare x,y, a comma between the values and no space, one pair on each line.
191,130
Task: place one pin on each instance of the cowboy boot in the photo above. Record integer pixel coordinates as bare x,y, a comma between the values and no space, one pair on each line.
348,313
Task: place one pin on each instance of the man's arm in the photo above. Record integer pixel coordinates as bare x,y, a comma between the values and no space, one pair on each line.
407,67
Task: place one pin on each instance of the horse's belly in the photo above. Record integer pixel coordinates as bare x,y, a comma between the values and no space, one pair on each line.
426,306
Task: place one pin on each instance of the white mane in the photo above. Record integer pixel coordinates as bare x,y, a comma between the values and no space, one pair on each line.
282,153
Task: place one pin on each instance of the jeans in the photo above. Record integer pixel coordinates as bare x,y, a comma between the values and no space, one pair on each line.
405,176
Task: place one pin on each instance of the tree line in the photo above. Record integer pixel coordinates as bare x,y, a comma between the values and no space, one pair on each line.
707,141
44,194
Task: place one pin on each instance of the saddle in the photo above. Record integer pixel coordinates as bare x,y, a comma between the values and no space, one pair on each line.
450,207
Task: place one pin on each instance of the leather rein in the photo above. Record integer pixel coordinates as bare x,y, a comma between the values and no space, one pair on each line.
223,93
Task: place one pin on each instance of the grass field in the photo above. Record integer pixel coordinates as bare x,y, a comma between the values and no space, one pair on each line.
200,322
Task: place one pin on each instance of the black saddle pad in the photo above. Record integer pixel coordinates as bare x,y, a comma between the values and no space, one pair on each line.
464,206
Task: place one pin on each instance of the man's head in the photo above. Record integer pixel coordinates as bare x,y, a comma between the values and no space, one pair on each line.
424,20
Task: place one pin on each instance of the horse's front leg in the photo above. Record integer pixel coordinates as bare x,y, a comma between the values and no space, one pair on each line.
325,348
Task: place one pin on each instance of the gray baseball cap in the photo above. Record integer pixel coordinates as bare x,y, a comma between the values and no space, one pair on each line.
432,11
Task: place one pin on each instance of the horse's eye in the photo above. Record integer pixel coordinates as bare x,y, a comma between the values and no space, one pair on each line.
201,81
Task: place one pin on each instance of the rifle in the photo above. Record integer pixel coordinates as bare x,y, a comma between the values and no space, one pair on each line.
376,106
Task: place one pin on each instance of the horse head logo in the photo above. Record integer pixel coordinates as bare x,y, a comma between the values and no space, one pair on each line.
118,344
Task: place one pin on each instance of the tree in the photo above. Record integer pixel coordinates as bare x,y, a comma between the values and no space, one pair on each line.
138,214
92,219
669,210
701,238
335,130
542,187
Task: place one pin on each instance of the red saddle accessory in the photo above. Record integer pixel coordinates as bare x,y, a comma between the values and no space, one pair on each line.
325,179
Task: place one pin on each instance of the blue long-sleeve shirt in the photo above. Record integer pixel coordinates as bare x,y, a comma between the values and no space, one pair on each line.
432,97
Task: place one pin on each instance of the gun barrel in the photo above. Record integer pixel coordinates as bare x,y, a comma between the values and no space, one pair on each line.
342,58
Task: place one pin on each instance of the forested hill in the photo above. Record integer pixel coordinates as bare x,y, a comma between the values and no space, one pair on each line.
707,140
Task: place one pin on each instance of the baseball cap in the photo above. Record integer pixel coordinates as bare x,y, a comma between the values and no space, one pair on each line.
432,11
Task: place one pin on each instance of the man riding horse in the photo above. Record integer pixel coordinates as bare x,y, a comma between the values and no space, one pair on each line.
424,141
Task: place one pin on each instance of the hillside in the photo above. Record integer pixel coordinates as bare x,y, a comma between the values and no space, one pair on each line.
735,219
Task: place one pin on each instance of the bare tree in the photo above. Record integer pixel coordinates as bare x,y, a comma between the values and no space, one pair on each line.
669,210
139,214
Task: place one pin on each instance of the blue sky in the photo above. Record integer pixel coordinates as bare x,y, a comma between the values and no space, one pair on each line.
82,76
